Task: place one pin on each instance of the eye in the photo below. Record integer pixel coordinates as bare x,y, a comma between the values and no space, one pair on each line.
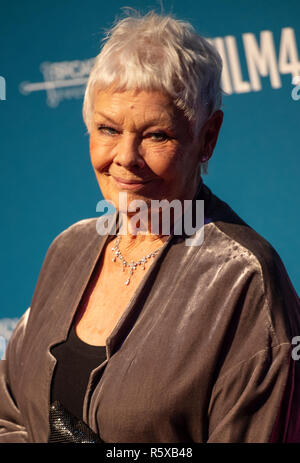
158,136
107,130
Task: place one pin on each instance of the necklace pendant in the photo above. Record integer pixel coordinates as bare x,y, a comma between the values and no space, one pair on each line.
133,264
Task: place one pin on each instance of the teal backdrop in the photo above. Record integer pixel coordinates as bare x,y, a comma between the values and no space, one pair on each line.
47,183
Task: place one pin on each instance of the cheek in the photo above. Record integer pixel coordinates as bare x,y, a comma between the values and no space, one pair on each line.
93,150
98,153
172,164
164,161
92,143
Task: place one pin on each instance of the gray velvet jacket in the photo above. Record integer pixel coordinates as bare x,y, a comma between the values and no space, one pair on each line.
201,354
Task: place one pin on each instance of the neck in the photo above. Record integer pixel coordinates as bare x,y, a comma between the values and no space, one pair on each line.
134,236
151,229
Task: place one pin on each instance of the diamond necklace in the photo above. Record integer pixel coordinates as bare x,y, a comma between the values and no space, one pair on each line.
132,264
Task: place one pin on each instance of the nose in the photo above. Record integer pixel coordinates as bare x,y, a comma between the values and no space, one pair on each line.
128,152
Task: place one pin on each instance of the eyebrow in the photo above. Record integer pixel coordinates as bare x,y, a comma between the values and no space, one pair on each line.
106,117
163,122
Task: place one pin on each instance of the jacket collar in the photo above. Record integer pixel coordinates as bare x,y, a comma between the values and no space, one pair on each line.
69,296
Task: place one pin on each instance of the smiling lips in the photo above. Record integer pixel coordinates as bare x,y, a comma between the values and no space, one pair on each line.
130,184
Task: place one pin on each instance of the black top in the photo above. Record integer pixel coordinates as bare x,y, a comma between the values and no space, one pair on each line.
75,361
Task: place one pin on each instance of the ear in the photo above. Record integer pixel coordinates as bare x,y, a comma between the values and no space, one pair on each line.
209,135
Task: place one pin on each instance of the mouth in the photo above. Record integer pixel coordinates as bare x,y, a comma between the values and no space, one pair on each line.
130,184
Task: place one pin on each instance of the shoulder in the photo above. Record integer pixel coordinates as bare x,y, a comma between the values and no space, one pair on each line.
78,236
235,231
81,230
85,231
73,247
67,244
239,241
251,264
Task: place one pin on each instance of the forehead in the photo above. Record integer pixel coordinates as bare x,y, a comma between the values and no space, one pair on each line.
139,104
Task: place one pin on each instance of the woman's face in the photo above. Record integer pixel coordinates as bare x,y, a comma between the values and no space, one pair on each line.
142,138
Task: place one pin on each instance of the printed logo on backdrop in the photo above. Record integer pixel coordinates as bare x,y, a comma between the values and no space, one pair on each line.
261,60
296,90
62,80
67,79
7,325
2,88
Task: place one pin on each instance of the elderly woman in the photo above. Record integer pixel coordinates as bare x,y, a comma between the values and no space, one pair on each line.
135,335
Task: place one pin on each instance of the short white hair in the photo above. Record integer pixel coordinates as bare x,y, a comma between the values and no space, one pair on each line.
158,52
